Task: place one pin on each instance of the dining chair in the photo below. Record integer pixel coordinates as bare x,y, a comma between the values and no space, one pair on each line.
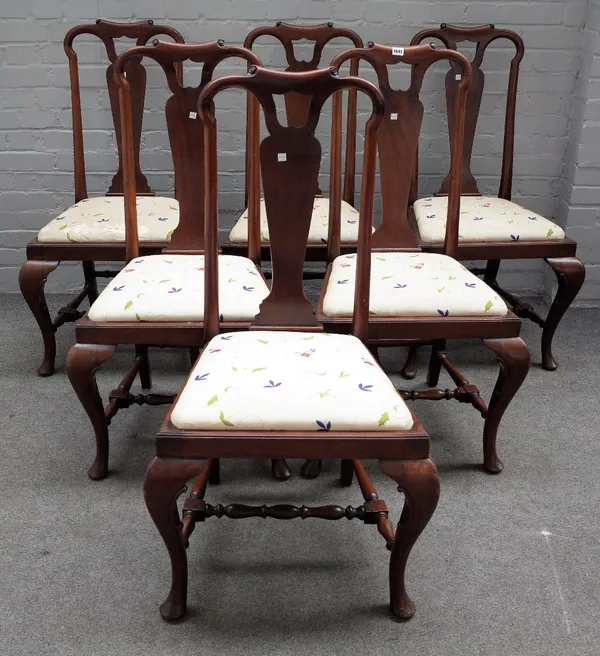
152,301
417,296
275,390
93,229
493,227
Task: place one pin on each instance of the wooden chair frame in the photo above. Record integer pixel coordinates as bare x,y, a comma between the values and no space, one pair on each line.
44,257
183,454
560,255
97,342
398,141
297,106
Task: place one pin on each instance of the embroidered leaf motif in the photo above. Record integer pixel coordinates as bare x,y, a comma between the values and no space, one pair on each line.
471,284
382,259
63,227
477,218
488,306
272,384
226,337
137,316
383,420
322,395
169,235
324,426
258,369
550,232
343,374
306,339
387,277
161,218
342,282
168,261
118,289
70,238
160,282
202,376
515,237
247,289
451,277
444,313
440,289
212,400
231,280
365,388
140,295
128,305
234,368
399,286
223,420
263,341
174,290
227,388
532,218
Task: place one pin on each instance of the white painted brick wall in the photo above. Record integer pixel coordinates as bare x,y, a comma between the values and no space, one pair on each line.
555,130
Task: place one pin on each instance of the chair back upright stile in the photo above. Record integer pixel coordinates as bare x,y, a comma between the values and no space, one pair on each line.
398,140
186,137
290,159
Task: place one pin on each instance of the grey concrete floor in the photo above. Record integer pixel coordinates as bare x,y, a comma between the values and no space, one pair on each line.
508,565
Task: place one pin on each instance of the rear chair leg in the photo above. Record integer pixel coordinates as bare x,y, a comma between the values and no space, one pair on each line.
83,361
435,364
165,482
419,481
311,468
32,279
570,273
409,370
280,469
145,370
513,356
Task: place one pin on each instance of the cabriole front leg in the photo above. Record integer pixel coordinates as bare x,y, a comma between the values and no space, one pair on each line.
513,356
165,482
420,483
32,280
83,361
570,273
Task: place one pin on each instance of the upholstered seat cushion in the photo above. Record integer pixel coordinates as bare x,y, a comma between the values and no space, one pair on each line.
484,219
171,288
318,226
412,284
269,380
102,219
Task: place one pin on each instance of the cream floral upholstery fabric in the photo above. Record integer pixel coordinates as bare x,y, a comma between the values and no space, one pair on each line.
484,219
102,219
269,380
171,288
412,284
318,225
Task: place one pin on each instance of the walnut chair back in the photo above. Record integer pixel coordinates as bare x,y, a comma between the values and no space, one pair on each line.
297,105
290,158
186,136
482,36
398,138
108,32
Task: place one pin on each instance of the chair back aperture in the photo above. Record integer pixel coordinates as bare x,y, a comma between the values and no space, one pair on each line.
186,137
482,36
398,139
290,159
108,32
